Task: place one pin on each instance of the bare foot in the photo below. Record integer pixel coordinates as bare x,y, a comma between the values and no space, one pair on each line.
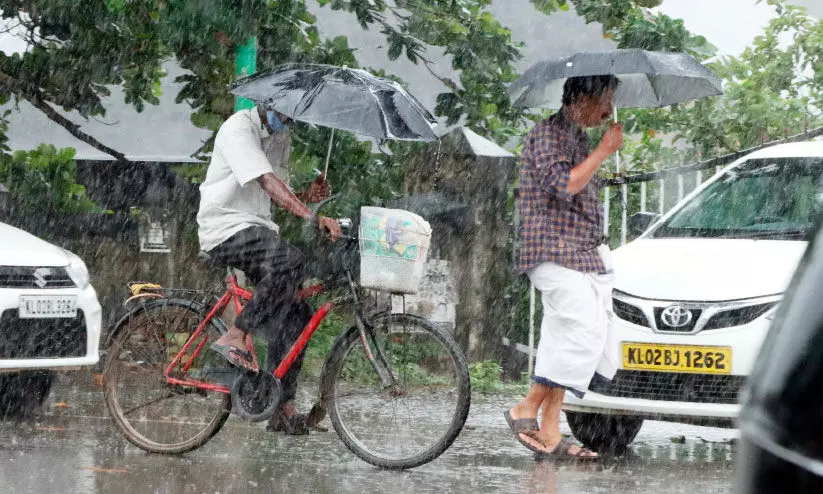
235,337
288,409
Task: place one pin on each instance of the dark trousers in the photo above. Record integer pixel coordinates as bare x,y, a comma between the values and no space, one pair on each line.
276,269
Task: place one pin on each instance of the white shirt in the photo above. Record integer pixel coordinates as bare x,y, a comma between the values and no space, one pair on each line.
231,199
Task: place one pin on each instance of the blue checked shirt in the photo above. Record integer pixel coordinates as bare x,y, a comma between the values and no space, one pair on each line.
556,226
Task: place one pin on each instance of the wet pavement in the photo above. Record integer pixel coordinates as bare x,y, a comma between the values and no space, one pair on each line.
72,446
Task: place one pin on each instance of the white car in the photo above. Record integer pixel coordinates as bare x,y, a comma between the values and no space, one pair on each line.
695,293
50,318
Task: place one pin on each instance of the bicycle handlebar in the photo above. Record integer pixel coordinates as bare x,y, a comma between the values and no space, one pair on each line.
345,223
316,210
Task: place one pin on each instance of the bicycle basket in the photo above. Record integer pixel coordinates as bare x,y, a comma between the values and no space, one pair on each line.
393,247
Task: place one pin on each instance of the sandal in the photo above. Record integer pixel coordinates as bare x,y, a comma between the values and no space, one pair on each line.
527,427
561,452
235,356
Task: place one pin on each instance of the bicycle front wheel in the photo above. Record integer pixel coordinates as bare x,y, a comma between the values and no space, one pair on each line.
154,415
414,418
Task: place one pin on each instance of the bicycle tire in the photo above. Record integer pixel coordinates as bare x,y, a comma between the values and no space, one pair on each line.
331,376
125,329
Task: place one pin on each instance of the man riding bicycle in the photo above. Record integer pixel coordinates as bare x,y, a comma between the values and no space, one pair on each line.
249,170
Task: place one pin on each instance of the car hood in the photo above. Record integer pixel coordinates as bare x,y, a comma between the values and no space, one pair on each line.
705,269
18,248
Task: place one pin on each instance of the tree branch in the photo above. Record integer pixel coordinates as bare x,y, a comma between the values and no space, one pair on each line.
35,97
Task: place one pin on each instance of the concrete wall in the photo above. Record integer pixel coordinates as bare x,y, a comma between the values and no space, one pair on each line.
465,199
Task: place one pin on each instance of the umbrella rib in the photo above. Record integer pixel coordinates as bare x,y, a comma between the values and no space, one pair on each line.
383,119
298,88
309,96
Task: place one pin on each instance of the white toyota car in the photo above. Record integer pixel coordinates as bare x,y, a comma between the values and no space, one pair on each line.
50,318
695,293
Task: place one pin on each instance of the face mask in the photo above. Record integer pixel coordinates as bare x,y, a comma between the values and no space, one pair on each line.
274,122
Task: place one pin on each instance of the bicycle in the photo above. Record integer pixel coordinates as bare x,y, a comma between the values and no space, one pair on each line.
387,370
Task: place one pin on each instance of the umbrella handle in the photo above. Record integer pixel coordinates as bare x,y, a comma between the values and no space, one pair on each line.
328,156
617,154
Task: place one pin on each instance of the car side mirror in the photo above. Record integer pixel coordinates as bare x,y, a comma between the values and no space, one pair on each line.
638,223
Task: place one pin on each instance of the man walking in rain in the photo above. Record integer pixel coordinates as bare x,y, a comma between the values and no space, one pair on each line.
565,254
249,170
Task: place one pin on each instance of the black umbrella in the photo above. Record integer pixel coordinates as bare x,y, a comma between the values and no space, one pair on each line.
340,98
648,79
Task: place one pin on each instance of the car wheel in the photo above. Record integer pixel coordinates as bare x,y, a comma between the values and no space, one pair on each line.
604,433
21,394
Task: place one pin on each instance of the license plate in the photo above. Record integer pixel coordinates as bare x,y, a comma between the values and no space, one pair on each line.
47,306
677,358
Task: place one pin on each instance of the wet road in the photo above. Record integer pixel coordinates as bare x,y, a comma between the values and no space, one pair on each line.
73,447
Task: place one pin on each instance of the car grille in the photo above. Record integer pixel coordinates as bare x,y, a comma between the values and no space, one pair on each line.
34,277
41,338
630,313
669,386
688,328
737,317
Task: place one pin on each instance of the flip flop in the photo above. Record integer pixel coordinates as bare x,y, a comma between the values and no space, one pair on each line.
561,452
527,427
235,356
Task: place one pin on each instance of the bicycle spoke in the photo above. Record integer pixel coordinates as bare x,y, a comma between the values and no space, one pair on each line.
414,420
153,414
148,403
143,357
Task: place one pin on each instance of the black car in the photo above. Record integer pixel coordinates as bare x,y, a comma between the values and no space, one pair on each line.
782,417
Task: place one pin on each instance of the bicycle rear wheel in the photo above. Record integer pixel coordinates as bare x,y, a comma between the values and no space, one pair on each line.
154,415
416,419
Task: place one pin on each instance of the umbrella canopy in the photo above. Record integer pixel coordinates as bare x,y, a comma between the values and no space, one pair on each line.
648,79
340,98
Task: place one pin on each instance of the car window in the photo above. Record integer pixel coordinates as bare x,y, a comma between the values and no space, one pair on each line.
766,198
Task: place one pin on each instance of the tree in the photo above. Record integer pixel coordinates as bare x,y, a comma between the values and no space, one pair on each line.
481,49
771,90
80,47
76,50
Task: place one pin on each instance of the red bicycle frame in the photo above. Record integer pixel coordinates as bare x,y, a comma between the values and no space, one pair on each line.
235,294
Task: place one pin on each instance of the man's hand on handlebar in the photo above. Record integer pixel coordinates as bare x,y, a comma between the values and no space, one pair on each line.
330,225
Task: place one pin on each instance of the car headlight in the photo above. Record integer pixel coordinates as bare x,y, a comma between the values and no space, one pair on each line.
77,270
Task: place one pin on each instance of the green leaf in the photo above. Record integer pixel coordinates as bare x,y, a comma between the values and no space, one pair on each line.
115,5
156,90
395,50
208,121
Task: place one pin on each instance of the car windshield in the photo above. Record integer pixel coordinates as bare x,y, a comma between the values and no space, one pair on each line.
776,198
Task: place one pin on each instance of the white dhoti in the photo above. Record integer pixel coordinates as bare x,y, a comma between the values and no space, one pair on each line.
576,336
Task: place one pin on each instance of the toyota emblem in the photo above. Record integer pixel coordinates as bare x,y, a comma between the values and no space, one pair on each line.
676,316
